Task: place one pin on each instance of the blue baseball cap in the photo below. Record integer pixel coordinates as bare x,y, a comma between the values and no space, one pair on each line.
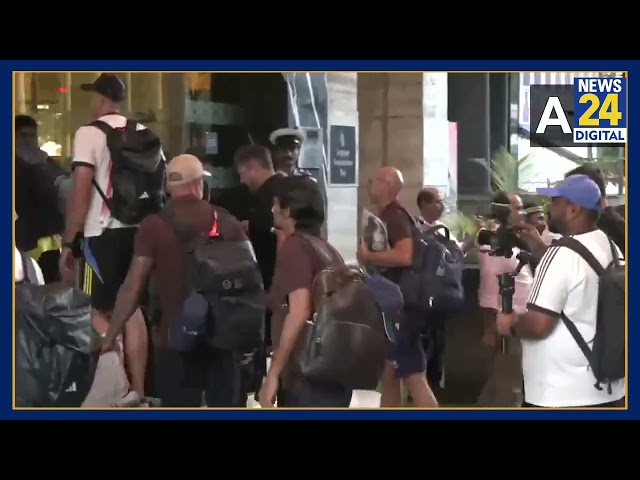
578,189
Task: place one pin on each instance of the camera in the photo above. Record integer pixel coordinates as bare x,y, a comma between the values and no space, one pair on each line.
504,239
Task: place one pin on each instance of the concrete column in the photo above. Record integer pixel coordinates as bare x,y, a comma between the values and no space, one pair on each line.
175,93
403,123
21,92
391,130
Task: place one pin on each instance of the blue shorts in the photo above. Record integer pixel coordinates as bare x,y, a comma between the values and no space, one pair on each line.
408,353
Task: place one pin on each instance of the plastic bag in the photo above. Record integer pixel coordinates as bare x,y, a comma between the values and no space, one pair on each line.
56,346
374,233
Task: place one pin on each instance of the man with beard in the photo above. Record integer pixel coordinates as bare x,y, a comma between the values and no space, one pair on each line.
286,151
287,143
609,221
556,372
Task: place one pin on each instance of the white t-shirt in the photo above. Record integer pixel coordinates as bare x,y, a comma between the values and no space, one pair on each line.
18,272
90,148
556,372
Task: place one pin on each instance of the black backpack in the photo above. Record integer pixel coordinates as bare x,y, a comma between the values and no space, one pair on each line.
433,283
56,344
606,355
226,303
137,172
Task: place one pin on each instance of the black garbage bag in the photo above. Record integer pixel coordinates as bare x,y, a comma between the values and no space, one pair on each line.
56,346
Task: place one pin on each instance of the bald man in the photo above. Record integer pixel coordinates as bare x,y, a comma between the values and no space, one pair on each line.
407,361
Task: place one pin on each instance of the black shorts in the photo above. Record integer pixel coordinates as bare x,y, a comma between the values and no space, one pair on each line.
107,260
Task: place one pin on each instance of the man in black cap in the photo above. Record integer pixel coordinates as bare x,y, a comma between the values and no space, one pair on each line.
108,243
286,151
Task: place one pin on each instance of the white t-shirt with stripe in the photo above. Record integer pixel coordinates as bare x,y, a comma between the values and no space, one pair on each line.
556,372
90,148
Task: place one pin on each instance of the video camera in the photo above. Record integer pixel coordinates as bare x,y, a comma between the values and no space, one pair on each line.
504,239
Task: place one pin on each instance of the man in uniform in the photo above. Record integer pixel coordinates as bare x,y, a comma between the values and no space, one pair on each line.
286,145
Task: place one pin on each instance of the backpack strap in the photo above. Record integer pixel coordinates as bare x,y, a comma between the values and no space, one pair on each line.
435,229
108,131
578,247
185,231
327,254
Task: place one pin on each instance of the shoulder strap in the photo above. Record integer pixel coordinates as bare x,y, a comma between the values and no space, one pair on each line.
579,339
131,125
108,130
436,228
328,256
588,257
577,246
184,230
614,252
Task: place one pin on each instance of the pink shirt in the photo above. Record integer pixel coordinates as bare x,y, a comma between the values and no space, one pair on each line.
490,268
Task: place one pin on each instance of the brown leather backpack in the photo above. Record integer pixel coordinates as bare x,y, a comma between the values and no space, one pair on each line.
345,341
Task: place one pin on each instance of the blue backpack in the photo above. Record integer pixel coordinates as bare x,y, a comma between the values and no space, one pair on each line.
389,300
433,283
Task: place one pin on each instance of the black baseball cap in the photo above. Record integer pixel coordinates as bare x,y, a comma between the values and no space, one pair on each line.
109,86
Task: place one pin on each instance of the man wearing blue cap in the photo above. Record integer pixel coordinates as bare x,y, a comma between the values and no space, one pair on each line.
556,372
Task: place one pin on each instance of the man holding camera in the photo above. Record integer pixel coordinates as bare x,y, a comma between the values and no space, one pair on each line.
556,372
501,257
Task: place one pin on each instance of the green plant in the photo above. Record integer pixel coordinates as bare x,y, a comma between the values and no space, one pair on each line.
505,169
460,225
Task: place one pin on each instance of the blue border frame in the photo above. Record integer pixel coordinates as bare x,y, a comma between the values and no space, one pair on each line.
6,76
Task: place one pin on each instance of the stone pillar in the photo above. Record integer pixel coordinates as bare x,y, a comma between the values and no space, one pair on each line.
403,123
391,130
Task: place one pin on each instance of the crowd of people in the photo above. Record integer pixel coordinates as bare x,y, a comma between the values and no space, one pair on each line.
204,306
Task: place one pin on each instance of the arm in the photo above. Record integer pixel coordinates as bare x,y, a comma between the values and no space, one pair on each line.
85,161
400,255
142,265
294,266
299,313
548,295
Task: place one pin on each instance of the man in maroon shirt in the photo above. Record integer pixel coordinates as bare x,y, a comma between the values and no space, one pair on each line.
158,250
407,361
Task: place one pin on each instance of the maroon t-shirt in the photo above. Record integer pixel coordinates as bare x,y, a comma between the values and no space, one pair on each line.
157,239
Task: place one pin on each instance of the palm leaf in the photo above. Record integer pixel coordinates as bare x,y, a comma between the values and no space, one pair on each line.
505,169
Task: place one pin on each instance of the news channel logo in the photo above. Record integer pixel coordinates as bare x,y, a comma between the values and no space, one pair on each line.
591,111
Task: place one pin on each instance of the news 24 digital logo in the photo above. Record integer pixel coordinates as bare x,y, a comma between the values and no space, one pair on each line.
591,111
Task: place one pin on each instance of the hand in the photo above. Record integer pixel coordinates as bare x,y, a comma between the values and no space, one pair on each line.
503,323
245,225
268,392
363,252
67,265
280,234
529,234
108,344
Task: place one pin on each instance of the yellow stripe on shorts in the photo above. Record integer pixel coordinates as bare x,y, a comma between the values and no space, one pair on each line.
88,279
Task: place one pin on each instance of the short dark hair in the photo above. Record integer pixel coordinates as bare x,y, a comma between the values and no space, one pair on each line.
22,121
426,195
593,172
302,197
253,153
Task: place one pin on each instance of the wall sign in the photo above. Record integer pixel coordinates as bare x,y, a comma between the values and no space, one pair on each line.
342,155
